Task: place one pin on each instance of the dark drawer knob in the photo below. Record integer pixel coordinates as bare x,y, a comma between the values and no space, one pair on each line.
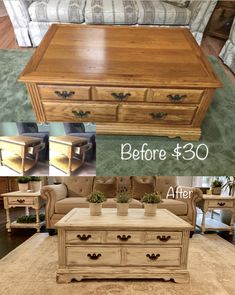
153,256
221,204
64,94
83,237
123,237
81,114
163,238
120,96
20,201
158,116
94,256
176,97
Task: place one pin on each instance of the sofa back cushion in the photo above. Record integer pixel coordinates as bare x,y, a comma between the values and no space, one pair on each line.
163,183
124,184
106,185
142,185
78,186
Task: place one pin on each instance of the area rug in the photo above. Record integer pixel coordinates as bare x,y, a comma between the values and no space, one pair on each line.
31,269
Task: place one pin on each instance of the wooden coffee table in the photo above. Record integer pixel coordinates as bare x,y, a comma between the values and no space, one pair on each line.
130,80
133,246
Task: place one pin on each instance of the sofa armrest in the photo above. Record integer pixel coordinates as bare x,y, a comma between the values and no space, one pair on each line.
19,16
52,194
201,11
191,196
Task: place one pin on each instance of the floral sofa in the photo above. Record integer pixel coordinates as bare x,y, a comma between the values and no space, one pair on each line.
72,192
227,53
32,18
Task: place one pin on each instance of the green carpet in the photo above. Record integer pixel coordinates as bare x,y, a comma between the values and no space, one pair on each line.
217,129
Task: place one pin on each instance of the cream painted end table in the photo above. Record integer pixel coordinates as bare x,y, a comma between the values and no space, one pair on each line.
27,200
212,202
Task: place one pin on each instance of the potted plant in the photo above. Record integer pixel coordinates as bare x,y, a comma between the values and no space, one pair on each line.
35,183
23,183
96,199
150,201
122,204
216,186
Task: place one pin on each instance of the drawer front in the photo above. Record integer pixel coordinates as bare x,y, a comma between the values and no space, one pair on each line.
20,200
175,95
153,256
83,237
74,112
93,256
119,94
221,204
63,92
59,148
156,114
11,147
123,237
163,238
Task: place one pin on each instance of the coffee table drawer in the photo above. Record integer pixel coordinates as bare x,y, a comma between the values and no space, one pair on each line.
119,94
175,95
123,237
93,256
156,114
20,201
163,238
83,237
153,256
221,203
64,92
79,112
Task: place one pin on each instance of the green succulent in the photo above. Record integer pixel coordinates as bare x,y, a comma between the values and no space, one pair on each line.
152,198
23,179
123,198
96,197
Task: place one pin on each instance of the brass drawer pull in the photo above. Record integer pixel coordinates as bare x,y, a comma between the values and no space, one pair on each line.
158,116
20,201
120,96
221,204
153,256
81,114
123,237
64,94
163,238
94,256
83,237
176,97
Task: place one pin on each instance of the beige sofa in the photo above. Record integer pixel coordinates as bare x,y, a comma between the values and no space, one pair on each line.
72,192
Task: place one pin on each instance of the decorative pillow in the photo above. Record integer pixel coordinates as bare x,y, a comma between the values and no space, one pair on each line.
106,185
179,3
142,185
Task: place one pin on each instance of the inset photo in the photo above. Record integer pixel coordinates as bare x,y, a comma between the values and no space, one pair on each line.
24,149
72,149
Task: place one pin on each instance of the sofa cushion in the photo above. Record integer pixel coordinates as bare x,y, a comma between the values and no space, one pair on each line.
111,12
142,185
65,205
78,186
177,207
106,185
162,13
66,11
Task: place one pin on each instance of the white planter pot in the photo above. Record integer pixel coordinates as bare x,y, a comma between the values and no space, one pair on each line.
216,190
23,187
122,209
95,209
35,186
150,209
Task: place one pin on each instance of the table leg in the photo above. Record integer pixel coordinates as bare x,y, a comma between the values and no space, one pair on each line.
37,221
232,223
27,211
212,214
8,224
1,157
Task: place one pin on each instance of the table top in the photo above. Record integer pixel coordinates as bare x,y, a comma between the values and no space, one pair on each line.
135,220
69,140
20,139
120,55
29,193
217,197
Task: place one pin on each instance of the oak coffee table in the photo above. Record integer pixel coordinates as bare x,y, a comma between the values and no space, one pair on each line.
130,80
133,246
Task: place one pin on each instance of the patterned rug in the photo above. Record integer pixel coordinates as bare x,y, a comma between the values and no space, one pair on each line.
31,268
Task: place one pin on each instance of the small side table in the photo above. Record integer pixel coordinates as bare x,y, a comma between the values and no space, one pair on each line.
27,200
212,202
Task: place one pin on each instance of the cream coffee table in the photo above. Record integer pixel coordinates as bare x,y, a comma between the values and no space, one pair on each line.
133,246
129,80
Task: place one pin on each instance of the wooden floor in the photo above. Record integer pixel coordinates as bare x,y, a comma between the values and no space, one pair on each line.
210,46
